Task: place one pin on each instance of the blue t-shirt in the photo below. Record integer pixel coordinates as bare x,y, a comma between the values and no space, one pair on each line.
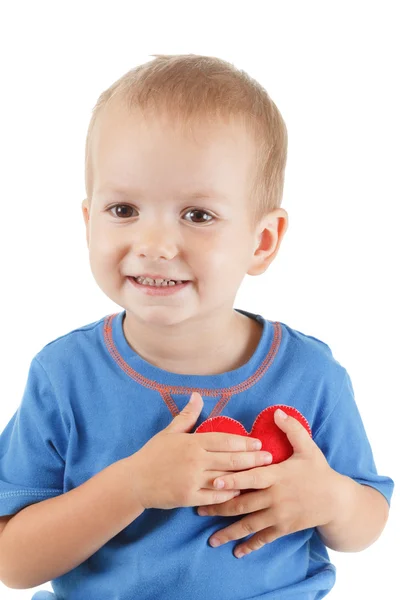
91,400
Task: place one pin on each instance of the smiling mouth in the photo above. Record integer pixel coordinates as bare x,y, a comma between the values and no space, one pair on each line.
152,289
148,281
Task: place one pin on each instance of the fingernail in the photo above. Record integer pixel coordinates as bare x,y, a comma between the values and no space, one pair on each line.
202,512
239,554
267,458
219,484
214,542
257,445
281,414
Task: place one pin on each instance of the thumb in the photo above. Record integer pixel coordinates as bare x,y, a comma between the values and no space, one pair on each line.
296,433
186,419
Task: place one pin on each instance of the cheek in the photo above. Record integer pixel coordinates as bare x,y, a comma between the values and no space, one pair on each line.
104,255
209,262
105,243
221,254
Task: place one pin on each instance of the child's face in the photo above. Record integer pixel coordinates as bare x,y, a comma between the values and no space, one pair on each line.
152,169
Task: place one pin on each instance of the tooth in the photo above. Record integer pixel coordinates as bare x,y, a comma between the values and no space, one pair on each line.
157,282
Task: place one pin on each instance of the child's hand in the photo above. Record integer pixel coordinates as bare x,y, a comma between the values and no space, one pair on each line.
292,495
175,468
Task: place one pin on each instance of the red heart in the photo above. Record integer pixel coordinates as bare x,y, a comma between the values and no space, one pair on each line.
273,439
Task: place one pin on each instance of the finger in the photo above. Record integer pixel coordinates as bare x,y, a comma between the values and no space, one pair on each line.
210,477
244,503
256,478
228,442
215,498
249,525
237,461
297,435
257,541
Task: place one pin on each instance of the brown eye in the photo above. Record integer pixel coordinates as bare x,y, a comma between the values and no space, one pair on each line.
198,216
122,210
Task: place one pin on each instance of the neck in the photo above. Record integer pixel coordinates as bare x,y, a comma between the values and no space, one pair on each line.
203,347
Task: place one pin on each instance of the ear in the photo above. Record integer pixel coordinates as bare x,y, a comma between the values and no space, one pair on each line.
85,211
269,235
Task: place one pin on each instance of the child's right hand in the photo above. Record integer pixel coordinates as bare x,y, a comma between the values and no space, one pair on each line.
176,468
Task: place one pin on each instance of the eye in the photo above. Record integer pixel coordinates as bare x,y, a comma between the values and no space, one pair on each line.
198,214
121,213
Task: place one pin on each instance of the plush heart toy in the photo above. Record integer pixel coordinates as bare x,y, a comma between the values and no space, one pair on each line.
273,439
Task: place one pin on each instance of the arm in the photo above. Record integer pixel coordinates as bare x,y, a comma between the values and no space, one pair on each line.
47,539
360,515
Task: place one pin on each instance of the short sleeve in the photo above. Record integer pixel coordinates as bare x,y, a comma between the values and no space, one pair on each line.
344,442
32,447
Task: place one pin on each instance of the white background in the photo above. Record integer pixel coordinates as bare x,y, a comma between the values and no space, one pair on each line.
333,70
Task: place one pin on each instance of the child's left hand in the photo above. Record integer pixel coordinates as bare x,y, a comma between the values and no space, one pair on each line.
293,495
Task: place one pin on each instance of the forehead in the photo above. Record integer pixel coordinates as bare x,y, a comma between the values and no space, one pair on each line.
130,150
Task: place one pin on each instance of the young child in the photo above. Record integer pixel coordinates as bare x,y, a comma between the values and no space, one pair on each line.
101,471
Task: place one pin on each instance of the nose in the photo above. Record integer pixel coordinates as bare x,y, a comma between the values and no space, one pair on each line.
156,241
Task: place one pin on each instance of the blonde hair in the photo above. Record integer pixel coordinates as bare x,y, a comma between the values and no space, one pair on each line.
191,88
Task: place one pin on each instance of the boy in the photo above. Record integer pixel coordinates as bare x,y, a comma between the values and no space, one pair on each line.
101,475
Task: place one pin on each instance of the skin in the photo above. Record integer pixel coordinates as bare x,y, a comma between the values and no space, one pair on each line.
301,492
153,169
193,331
